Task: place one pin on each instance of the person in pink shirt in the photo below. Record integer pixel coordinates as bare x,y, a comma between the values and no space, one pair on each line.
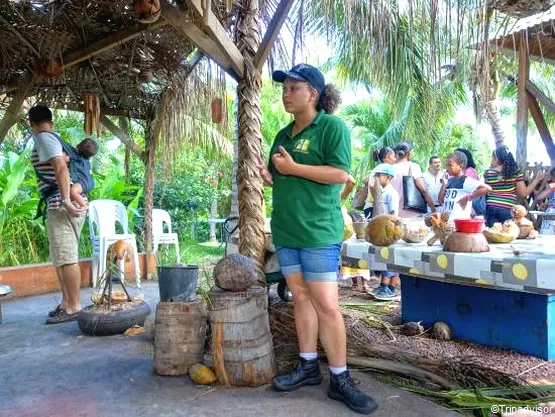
470,170
479,204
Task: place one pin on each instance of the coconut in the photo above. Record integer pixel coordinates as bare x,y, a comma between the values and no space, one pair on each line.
441,331
412,328
235,272
202,374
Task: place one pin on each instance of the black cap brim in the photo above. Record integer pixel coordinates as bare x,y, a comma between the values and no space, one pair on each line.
280,76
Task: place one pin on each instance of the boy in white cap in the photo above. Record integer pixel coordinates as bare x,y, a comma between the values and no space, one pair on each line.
387,203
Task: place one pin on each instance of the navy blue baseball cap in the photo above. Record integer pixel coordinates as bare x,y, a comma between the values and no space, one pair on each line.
303,72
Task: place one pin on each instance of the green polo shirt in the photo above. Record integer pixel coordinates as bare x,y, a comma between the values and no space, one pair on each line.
307,214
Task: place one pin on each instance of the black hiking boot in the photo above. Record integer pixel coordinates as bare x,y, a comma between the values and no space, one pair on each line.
342,388
305,373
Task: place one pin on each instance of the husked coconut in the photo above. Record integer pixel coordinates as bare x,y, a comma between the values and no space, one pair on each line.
235,272
441,331
411,328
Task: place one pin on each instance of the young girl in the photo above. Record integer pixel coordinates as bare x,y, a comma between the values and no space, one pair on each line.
309,161
457,190
548,226
508,188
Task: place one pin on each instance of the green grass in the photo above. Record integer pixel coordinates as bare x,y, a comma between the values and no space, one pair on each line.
198,253
194,253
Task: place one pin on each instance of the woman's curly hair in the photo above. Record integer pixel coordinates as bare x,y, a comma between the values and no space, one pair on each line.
329,99
510,168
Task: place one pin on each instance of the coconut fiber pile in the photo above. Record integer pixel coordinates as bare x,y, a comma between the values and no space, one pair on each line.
376,341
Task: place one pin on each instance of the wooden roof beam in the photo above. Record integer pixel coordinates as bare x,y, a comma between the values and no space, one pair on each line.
272,33
109,42
123,136
539,120
182,23
12,115
219,35
540,95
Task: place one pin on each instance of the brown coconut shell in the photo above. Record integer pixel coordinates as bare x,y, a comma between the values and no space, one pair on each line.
441,331
235,272
466,243
147,11
412,328
217,110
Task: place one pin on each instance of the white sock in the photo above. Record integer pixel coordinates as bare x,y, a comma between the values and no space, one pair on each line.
338,370
309,356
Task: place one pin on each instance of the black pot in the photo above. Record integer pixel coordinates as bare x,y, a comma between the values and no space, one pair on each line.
178,282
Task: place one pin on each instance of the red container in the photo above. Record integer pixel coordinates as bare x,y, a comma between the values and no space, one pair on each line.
469,225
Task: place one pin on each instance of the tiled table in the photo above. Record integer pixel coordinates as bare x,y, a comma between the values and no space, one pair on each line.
501,298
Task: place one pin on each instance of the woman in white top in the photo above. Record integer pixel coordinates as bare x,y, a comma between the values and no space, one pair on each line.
405,167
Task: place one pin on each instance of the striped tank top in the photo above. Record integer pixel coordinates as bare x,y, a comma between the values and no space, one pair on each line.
47,171
503,193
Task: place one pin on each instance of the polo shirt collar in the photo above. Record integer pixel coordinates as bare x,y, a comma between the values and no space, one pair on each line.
314,122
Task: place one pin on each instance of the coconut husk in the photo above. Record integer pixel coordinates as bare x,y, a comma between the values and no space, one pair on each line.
421,359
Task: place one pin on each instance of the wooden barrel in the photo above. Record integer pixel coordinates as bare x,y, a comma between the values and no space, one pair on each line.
241,343
180,330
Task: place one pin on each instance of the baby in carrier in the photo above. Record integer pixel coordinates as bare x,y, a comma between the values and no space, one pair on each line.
80,170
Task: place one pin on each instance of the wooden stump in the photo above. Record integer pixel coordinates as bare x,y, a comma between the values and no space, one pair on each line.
179,339
241,340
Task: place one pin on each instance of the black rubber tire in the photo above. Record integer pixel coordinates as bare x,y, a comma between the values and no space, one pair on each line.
284,292
96,323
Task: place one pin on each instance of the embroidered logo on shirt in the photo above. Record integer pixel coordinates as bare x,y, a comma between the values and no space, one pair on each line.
302,146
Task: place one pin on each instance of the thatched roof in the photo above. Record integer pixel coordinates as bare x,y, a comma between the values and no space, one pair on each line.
539,30
104,50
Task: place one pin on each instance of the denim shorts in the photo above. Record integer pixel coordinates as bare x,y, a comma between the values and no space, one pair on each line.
316,264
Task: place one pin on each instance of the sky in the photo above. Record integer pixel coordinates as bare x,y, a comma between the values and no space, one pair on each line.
317,52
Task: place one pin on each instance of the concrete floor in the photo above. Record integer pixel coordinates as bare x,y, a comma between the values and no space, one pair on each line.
57,371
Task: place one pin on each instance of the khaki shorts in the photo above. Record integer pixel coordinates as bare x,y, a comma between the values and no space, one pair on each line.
63,236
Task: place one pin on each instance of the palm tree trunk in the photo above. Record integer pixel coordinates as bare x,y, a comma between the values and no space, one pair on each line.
234,188
492,113
251,219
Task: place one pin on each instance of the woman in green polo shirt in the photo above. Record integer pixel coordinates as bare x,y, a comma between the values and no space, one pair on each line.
309,163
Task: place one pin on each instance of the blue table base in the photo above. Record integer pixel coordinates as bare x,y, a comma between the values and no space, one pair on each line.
503,319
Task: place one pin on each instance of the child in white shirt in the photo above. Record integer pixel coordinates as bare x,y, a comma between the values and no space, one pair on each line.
457,190
386,203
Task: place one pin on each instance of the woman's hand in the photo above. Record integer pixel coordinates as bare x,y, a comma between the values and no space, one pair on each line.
283,162
445,178
264,173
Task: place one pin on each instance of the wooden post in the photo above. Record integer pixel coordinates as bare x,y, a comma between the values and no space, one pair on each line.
152,136
12,115
522,107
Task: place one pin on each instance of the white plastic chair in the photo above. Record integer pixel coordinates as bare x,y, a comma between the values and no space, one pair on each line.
159,237
103,215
